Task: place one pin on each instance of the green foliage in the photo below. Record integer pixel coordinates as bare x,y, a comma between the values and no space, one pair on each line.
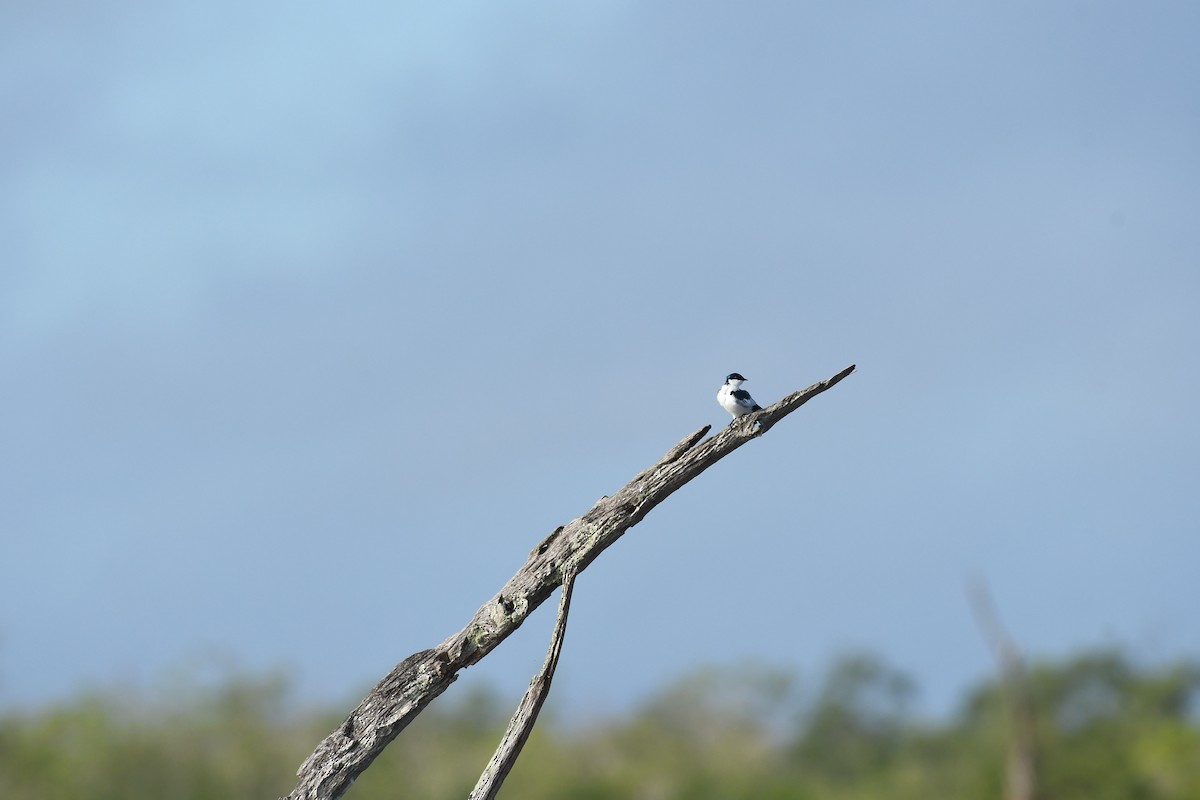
859,723
225,741
1106,727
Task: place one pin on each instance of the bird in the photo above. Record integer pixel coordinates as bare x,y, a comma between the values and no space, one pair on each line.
735,400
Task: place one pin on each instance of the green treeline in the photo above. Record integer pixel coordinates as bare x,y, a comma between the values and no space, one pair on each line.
1106,728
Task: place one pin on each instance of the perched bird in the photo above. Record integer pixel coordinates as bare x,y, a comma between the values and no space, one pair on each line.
735,400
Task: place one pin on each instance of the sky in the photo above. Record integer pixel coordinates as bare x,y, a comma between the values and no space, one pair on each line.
315,318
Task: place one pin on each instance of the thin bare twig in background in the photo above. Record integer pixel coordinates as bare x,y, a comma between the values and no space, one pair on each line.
1021,782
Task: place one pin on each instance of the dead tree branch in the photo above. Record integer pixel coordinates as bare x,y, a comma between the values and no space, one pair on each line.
414,682
531,704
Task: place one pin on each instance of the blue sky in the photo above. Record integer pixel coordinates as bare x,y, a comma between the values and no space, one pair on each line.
314,319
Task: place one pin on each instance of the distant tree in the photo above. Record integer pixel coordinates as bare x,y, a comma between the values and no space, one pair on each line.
1101,715
1108,727
859,720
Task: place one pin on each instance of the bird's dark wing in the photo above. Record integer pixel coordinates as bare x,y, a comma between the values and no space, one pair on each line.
745,400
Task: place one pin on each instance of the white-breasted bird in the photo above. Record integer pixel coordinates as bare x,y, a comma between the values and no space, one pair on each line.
734,399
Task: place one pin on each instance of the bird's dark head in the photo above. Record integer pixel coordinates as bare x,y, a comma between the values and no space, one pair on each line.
733,376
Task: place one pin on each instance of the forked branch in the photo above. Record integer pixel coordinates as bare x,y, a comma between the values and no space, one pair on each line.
418,679
531,704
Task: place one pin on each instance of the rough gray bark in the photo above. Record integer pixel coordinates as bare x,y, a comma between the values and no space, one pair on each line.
418,679
522,722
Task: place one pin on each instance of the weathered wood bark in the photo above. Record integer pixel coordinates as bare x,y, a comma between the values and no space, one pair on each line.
421,677
522,722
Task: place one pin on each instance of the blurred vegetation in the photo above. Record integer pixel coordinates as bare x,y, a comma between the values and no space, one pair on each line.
1106,727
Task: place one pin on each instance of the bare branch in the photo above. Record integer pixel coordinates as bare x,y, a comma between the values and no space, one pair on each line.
421,677
531,704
